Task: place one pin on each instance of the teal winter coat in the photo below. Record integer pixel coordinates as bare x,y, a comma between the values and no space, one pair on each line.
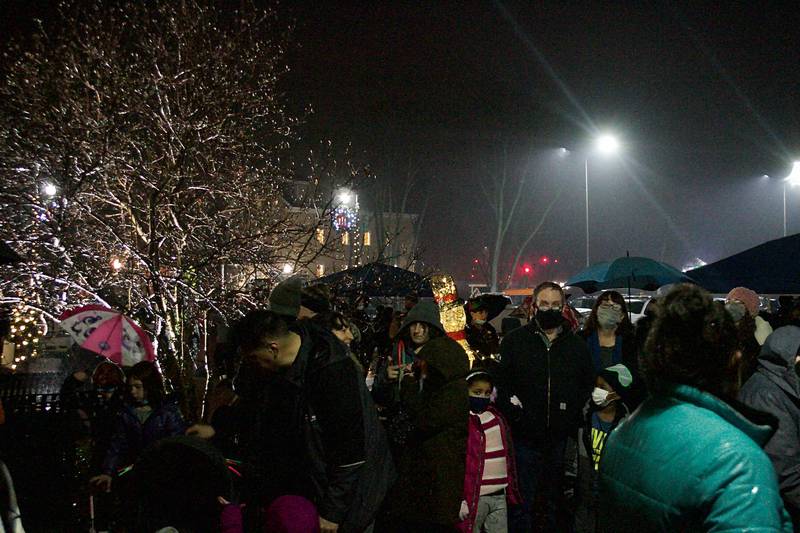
687,461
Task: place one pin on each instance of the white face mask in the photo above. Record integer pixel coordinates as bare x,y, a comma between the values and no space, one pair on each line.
600,397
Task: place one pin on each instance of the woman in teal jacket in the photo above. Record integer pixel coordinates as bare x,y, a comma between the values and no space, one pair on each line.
690,458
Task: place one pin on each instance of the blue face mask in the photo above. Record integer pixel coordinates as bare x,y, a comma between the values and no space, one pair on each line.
478,405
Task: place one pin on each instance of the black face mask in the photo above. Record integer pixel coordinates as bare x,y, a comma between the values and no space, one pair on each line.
478,405
549,319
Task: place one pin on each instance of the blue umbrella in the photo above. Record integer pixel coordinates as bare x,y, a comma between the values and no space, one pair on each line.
632,272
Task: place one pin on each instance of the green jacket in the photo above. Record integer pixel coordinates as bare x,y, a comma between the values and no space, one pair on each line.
687,461
430,481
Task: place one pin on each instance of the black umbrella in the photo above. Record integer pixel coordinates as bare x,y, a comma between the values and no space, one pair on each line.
377,279
493,303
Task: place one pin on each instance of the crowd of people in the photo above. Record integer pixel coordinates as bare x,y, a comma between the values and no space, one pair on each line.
327,421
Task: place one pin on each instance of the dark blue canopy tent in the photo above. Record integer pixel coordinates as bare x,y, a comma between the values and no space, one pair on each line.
769,268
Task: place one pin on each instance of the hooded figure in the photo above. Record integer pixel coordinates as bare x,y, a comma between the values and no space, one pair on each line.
775,388
431,468
385,391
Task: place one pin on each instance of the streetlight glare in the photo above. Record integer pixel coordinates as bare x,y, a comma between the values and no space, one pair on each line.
345,197
794,177
50,189
607,144
287,268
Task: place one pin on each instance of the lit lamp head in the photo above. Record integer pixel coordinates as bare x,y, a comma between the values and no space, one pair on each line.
607,144
794,177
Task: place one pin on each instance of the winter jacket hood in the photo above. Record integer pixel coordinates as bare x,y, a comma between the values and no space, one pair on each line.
778,356
446,359
425,312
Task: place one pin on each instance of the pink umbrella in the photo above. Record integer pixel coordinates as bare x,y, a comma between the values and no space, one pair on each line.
108,333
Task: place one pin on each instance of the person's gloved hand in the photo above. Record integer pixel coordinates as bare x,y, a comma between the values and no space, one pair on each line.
464,512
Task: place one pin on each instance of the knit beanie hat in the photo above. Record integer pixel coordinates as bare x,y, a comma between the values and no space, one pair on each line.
291,514
747,297
316,297
620,379
285,297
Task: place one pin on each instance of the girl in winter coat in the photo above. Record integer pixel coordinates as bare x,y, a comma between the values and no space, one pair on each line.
490,483
145,418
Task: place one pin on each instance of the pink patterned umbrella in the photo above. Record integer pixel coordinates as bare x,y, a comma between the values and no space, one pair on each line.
108,333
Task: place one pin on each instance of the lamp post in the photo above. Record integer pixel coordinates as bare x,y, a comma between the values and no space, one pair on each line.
792,179
605,144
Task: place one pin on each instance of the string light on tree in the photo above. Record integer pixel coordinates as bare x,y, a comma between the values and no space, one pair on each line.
26,329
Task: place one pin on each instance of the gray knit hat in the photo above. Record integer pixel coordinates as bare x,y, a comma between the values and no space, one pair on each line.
285,297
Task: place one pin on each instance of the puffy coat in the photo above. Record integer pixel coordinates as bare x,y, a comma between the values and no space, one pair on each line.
131,436
775,388
687,461
476,447
551,380
431,470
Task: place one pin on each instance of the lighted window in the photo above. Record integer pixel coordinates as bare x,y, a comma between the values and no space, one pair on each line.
320,270
346,238
320,235
367,239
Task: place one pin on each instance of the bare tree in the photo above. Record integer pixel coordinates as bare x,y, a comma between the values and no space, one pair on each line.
505,191
144,148
393,208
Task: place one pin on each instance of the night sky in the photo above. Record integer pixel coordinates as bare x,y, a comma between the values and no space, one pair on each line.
703,97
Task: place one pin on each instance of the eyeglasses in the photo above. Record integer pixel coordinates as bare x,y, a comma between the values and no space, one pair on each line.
610,305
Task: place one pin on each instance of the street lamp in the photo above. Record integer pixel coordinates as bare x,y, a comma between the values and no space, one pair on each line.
50,189
605,144
792,179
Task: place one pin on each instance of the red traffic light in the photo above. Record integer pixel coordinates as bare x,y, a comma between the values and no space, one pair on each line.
544,260
527,269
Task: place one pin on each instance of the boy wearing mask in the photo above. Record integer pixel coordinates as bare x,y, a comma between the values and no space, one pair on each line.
603,413
490,480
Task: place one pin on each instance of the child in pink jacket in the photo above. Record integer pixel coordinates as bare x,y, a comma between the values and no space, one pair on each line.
490,483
